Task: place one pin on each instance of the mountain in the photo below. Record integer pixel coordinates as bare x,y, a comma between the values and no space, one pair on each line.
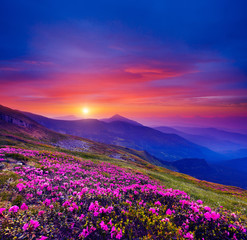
119,118
221,172
17,129
218,140
239,164
67,117
167,147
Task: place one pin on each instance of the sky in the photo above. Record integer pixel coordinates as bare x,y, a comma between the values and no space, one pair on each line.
147,60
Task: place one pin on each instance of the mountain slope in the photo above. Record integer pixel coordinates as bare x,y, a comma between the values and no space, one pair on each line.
212,138
12,134
163,146
19,130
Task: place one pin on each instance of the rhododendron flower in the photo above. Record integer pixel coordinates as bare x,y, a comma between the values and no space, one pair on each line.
41,213
157,203
34,223
20,186
84,232
82,216
1,210
42,238
47,202
14,209
199,201
25,227
119,234
168,212
189,235
215,215
207,209
104,226
24,206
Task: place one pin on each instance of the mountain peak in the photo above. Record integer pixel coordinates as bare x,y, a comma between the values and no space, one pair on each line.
118,117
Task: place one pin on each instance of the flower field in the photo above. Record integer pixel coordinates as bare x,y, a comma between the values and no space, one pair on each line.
58,196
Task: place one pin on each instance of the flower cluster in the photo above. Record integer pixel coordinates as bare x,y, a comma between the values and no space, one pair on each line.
63,197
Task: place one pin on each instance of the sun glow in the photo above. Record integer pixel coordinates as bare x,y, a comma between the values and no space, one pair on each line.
85,110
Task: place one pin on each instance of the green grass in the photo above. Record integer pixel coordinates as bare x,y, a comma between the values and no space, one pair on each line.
197,190
211,197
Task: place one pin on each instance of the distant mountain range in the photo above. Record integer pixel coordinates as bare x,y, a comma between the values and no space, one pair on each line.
127,133
17,128
231,144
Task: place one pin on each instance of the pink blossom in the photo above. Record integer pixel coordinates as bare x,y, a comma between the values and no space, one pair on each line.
42,238
24,206
41,213
14,209
189,235
200,201
82,216
104,226
1,210
207,215
25,227
215,215
34,223
168,212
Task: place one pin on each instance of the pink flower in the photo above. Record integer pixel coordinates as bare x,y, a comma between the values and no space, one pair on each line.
189,235
47,202
119,234
25,227
34,223
104,226
157,203
200,201
41,213
1,210
84,232
24,206
207,215
42,238
215,215
14,209
82,216
168,212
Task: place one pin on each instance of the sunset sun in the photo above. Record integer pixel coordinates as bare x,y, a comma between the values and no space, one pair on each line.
85,111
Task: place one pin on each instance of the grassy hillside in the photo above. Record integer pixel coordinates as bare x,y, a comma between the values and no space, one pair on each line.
53,195
49,156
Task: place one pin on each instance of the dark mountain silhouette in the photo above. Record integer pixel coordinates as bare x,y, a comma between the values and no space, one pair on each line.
168,147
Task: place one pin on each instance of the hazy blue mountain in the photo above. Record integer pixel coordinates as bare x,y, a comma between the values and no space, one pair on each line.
125,133
217,140
239,164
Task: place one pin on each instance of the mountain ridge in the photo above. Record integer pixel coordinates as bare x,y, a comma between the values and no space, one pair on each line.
163,146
